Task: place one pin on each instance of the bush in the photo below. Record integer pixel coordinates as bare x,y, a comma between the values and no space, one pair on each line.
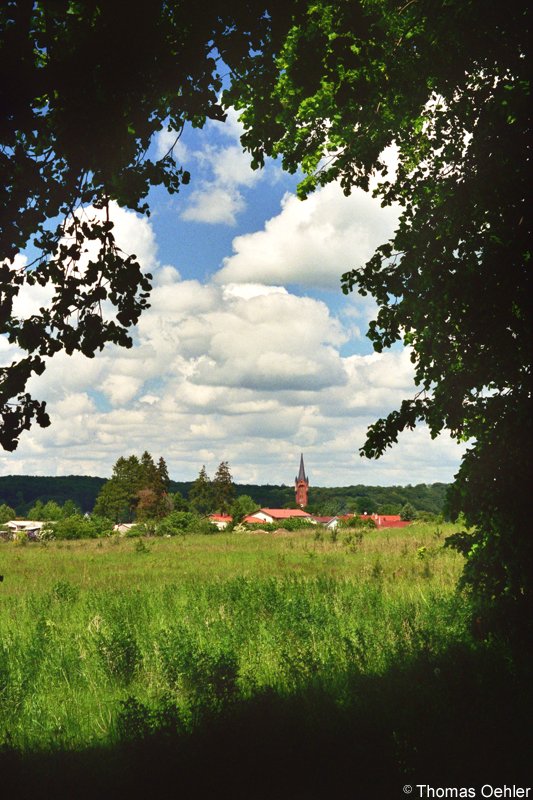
296,524
178,523
357,522
78,527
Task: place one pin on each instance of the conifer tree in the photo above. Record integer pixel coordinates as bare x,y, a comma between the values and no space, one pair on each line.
163,476
149,474
223,488
118,498
201,493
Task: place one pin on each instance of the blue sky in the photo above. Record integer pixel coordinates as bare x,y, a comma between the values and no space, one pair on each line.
249,353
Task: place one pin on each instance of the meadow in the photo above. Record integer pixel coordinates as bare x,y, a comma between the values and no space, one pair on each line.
271,664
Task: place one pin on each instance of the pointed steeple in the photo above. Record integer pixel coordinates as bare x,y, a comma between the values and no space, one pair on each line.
301,484
301,473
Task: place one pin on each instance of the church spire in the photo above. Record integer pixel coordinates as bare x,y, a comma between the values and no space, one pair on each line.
301,484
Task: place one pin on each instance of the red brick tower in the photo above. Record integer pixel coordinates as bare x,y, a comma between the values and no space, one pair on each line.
301,485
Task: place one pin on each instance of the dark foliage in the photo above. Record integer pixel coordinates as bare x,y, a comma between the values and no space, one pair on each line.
21,492
460,720
81,99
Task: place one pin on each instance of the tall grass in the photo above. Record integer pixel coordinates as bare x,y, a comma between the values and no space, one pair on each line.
206,620
108,642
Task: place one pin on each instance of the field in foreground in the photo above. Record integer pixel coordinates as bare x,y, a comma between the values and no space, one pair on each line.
271,665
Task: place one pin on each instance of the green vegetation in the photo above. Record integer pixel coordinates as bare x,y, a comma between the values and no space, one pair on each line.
148,645
20,492
446,86
137,489
208,496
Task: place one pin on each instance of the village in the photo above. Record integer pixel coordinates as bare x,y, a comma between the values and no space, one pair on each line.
272,516
263,518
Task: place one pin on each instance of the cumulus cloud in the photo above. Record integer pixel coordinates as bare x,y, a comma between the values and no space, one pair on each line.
169,141
214,375
214,203
311,242
245,371
221,171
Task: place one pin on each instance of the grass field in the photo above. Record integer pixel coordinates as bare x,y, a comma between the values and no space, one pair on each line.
302,659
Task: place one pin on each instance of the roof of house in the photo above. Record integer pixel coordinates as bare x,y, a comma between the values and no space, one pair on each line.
220,517
324,520
24,524
253,519
284,513
387,520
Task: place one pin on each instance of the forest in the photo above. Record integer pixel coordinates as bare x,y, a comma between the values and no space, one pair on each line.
21,492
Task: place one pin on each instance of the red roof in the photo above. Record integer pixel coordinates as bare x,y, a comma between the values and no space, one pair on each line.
386,520
284,513
253,519
220,517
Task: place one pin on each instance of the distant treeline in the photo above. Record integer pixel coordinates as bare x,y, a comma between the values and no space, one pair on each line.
22,491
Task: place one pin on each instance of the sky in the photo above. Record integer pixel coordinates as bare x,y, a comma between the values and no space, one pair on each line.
249,352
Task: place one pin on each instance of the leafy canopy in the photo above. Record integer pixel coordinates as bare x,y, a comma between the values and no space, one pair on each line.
446,84
80,105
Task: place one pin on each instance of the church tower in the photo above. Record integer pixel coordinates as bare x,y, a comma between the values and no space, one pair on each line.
301,485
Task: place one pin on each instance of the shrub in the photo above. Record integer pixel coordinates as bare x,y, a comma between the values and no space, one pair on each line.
357,522
178,523
78,527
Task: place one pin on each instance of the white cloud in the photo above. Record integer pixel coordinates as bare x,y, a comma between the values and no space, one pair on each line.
213,203
220,172
244,371
169,141
121,389
311,242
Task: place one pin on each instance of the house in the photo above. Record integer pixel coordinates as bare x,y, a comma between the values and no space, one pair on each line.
31,528
220,520
387,520
123,527
277,515
328,522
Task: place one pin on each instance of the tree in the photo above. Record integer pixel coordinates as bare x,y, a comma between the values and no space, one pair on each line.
136,489
149,477
241,507
118,497
70,509
408,512
201,496
76,128
223,488
447,84
365,505
182,522
152,496
6,513
179,503
162,475
52,511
